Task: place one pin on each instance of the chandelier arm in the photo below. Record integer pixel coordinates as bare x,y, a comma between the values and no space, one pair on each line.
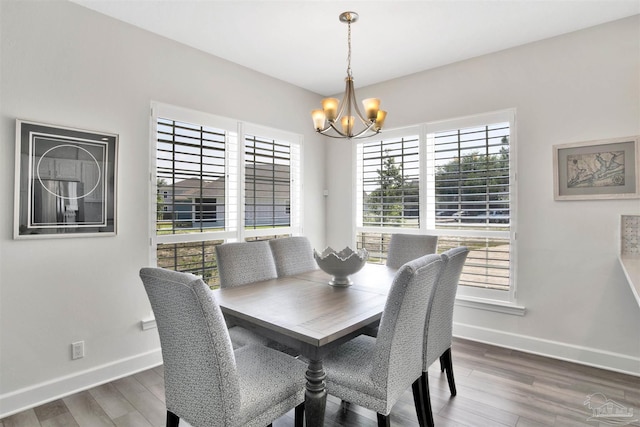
335,129
342,135
345,101
328,135
351,104
366,122
325,130
339,132
361,134
354,102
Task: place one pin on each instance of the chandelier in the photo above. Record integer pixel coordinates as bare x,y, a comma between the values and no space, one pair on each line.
338,120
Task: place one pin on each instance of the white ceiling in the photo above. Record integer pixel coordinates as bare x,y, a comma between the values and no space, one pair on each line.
303,42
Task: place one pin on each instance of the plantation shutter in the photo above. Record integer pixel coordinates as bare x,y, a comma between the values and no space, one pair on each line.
389,172
217,181
464,168
268,169
472,176
472,188
190,173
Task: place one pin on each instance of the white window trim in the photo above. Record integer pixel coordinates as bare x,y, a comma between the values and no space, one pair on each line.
234,159
296,175
467,296
484,303
357,172
477,295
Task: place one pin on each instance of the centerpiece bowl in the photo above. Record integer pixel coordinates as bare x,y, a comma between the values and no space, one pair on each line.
340,265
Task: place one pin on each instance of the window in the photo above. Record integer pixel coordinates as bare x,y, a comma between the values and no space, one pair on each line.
390,176
471,175
208,181
267,182
190,170
272,183
388,196
453,179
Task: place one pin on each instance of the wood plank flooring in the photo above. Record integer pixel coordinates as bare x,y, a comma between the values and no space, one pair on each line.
496,387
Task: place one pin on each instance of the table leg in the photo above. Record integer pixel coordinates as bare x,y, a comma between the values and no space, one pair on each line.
315,395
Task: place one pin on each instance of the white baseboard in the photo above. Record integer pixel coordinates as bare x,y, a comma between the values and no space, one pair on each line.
29,397
556,350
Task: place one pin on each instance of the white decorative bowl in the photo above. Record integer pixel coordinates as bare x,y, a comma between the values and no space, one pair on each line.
341,264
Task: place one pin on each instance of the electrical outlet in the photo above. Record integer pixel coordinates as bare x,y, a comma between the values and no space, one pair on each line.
77,350
148,324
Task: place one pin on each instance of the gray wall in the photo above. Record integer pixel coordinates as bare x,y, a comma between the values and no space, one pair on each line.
66,65
577,87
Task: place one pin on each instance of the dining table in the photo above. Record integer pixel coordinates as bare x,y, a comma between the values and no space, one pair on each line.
307,315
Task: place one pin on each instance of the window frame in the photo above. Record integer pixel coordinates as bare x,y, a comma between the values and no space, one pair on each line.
295,196
234,228
500,300
358,199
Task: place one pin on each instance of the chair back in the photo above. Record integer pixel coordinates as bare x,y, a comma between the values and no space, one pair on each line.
245,262
406,247
201,382
439,328
292,255
397,356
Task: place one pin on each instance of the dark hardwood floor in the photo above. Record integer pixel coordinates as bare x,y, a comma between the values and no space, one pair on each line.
496,387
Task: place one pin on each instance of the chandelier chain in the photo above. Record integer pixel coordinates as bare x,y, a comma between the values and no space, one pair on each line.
349,54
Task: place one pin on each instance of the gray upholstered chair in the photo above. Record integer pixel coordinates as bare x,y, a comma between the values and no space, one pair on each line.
241,263
402,249
292,255
245,262
375,372
207,384
439,326
405,247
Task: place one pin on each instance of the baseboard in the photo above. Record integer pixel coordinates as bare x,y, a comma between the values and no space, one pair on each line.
29,397
554,349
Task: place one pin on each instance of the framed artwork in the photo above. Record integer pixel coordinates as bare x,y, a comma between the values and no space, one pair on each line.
65,182
604,169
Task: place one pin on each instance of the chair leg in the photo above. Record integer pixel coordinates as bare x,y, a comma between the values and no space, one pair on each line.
449,368
418,398
299,415
172,419
442,367
426,407
383,421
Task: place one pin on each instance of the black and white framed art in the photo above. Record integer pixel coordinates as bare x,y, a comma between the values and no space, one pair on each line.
65,182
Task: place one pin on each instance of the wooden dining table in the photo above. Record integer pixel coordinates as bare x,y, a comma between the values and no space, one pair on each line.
306,314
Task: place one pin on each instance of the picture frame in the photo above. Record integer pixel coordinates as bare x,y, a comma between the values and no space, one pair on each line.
65,183
600,169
